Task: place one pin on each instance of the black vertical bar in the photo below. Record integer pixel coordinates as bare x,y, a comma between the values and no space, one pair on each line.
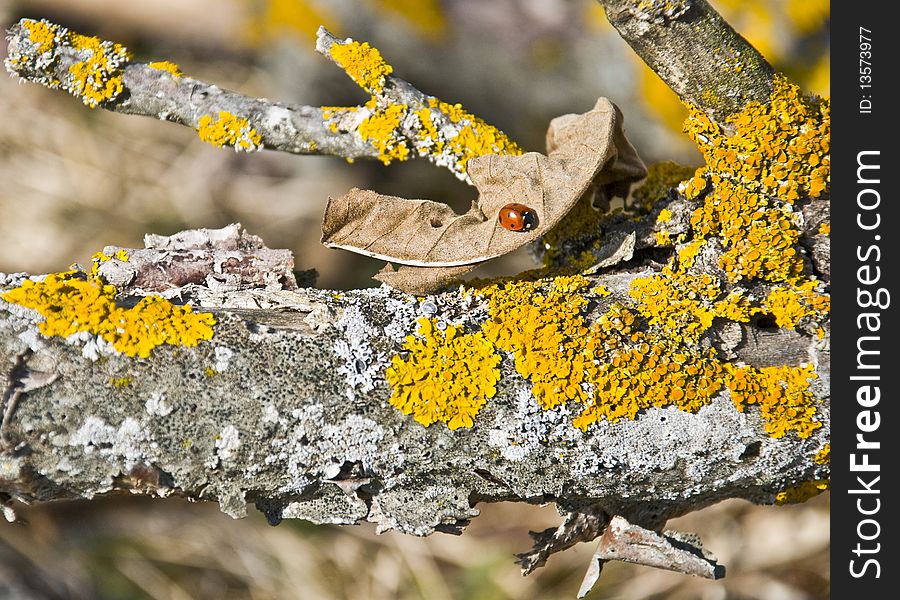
865,256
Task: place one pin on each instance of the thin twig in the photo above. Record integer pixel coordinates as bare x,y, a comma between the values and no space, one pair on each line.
11,395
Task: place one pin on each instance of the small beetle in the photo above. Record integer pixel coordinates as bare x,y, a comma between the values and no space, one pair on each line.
517,217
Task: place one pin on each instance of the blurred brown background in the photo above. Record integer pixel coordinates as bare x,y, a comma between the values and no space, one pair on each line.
73,180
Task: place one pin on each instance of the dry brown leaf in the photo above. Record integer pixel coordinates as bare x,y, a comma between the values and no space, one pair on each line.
583,149
421,280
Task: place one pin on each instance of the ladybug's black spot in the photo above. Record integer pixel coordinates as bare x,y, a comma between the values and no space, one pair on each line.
530,220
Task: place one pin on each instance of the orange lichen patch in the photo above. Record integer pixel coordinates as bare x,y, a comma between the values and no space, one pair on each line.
677,303
363,64
777,153
43,33
540,322
447,376
611,367
167,66
761,237
823,456
665,215
650,374
802,492
473,136
382,130
429,139
97,78
444,133
824,229
663,238
790,305
629,360
735,307
73,302
688,253
782,393
229,130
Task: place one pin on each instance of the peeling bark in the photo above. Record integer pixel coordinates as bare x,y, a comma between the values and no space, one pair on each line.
286,408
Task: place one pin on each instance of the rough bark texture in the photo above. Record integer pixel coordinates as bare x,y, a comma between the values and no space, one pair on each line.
695,51
286,408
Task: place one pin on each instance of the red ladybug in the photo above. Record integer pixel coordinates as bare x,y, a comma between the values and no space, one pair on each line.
517,217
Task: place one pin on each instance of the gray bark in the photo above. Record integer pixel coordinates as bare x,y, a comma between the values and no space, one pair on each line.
696,52
286,408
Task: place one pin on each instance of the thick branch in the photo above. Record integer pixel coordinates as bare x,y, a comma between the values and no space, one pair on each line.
696,52
156,92
399,122
287,408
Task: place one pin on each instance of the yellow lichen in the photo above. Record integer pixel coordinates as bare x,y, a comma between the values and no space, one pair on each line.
665,215
782,394
735,307
541,323
121,382
362,63
610,367
688,253
777,153
444,133
790,305
73,302
229,130
823,456
97,78
474,137
824,229
802,492
677,302
382,130
167,66
447,376
43,33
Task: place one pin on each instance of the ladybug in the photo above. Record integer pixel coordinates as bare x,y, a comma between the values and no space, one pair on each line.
517,217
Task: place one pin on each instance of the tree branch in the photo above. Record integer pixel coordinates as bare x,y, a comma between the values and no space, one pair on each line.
398,123
696,52
683,364
288,408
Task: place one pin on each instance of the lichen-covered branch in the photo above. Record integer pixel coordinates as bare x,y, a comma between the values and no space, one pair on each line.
401,121
665,357
695,51
292,405
398,123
